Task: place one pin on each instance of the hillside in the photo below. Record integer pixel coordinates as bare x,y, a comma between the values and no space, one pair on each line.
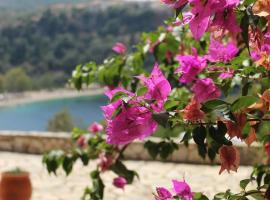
57,41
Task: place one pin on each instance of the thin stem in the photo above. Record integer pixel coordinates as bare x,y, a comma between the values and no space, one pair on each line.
214,123
121,152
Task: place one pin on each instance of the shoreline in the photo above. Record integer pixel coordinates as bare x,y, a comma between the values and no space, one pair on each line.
13,99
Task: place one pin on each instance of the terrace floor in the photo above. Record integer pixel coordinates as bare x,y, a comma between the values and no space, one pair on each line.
49,187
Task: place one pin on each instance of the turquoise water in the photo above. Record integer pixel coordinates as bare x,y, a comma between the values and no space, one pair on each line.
34,116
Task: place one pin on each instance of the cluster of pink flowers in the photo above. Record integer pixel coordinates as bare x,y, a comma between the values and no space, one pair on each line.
180,189
211,14
134,120
94,128
205,89
158,88
221,53
192,65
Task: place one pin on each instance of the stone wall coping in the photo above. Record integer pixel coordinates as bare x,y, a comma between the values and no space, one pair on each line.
66,135
35,142
38,134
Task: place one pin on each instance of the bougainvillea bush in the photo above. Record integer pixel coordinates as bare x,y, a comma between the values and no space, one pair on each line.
206,73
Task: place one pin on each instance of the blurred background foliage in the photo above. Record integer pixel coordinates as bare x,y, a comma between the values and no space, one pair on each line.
47,44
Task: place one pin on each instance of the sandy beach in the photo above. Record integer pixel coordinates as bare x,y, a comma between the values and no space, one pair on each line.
10,99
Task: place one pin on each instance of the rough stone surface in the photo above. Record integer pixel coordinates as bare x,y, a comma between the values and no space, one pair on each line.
48,187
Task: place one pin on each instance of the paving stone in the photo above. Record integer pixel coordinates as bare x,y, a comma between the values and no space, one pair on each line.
48,187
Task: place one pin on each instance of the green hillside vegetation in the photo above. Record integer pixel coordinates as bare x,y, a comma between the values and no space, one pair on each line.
49,47
28,5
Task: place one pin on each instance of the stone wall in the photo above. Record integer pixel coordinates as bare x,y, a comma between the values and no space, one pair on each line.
41,142
33,142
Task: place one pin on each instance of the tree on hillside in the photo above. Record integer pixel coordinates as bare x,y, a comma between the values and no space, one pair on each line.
16,80
61,122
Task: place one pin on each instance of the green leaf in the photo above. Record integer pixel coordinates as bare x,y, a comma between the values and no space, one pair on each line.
211,153
243,102
219,196
68,164
161,118
84,158
166,149
53,160
248,2
117,111
118,95
213,104
257,196
245,26
152,148
186,138
202,150
97,190
200,196
227,114
141,91
199,135
171,104
218,136
246,130
244,183
121,170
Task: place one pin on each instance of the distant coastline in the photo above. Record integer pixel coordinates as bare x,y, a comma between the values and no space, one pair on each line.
11,99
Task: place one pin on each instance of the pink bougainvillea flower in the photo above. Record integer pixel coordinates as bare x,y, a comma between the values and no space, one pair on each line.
120,182
226,74
255,55
187,18
158,88
221,53
226,21
119,48
105,161
109,109
183,190
131,123
163,194
95,127
200,21
204,11
82,141
110,93
190,67
230,158
205,89
175,3
192,112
